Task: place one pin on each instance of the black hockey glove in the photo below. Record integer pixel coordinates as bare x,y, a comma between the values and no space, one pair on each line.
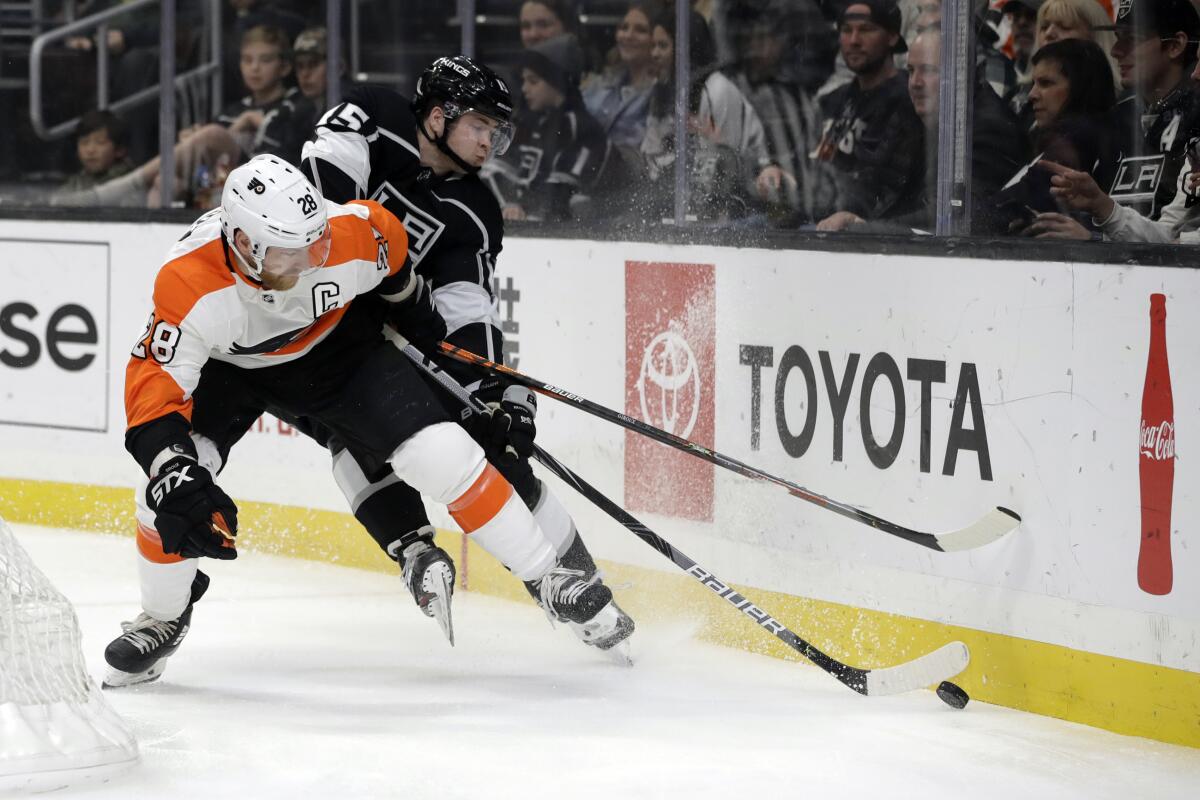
507,431
193,516
417,319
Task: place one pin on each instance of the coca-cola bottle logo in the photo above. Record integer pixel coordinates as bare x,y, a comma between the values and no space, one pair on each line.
1158,441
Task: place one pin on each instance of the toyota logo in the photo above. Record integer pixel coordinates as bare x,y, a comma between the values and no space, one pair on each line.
668,384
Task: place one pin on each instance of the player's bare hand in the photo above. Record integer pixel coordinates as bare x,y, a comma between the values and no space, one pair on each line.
1056,226
1078,190
839,221
513,211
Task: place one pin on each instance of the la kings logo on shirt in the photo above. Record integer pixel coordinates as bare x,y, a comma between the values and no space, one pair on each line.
423,228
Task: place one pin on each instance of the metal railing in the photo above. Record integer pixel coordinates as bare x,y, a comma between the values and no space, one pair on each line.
100,22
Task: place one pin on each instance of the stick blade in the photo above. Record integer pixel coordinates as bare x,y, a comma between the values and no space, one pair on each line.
993,525
931,668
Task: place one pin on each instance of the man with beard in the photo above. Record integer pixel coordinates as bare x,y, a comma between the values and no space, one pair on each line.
873,137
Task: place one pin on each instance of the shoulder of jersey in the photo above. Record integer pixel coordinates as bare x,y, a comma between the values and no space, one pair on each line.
195,265
386,107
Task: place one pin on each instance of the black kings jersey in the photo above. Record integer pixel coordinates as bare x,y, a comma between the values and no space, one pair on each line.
1157,139
366,147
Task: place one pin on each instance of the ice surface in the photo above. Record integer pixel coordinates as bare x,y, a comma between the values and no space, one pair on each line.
304,680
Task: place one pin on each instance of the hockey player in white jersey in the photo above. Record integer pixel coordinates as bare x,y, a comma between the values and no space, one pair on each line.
261,306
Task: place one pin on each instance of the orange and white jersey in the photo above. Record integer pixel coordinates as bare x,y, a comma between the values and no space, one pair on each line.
205,306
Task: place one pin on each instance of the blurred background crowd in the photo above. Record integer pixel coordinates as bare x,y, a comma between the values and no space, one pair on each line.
820,115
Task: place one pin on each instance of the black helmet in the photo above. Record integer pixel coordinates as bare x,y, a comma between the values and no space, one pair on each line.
465,85
460,85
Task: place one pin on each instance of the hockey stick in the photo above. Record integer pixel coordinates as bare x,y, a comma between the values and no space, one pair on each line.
992,526
939,665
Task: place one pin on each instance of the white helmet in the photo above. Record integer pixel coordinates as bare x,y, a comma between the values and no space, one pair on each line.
274,205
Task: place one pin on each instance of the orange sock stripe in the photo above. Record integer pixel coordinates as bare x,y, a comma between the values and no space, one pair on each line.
150,546
482,501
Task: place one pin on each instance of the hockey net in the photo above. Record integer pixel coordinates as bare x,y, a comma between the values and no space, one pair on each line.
55,726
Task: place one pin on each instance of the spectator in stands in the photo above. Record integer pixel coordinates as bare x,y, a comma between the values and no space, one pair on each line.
1022,16
873,137
730,163
101,142
272,118
787,108
1156,50
1073,112
1078,19
243,15
999,148
540,20
560,166
309,53
619,99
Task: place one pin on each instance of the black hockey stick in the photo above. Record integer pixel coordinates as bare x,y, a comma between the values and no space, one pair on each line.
934,667
992,526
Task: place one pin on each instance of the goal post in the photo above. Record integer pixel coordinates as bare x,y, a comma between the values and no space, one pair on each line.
56,728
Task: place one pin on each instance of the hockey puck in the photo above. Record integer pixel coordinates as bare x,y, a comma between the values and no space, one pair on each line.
952,695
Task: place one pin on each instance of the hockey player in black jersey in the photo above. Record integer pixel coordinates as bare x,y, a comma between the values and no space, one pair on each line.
420,159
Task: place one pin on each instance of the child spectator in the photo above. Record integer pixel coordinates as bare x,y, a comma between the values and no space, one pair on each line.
309,53
560,160
101,142
272,118
873,138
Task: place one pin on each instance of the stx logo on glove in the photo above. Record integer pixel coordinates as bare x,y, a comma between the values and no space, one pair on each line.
168,483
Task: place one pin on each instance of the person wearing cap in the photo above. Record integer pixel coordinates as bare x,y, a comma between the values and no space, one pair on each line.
560,160
1149,200
309,54
873,138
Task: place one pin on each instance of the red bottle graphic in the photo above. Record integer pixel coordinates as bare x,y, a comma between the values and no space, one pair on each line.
1157,460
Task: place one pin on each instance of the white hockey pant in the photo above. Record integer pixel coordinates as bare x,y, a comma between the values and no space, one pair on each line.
444,464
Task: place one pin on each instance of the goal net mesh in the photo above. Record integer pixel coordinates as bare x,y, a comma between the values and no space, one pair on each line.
53,718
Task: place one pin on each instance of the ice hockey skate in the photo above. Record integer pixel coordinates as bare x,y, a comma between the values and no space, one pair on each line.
610,629
139,655
588,609
429,575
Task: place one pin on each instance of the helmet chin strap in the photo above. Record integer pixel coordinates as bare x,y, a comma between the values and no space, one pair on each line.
443,144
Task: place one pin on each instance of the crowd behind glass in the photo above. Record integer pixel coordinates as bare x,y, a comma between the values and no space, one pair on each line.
801,114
